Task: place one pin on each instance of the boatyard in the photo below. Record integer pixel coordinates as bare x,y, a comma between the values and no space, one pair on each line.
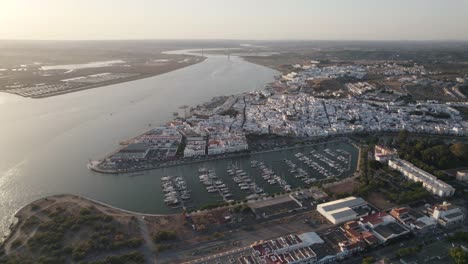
192,186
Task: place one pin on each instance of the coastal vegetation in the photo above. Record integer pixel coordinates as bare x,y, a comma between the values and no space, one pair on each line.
164,235
213,205
70,232
131,258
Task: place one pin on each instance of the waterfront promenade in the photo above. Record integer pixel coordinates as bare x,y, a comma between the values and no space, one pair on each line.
94,165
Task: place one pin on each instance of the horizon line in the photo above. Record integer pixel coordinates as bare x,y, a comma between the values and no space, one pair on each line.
246,39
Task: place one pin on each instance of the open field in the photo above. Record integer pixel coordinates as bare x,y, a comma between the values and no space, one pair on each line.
344,187
378,199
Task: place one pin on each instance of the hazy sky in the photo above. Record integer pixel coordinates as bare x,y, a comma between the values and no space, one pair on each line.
235,19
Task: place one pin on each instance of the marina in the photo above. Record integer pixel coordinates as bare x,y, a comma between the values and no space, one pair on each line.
175,191
253,176
213,184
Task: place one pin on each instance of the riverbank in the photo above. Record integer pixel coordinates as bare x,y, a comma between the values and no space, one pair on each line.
37,93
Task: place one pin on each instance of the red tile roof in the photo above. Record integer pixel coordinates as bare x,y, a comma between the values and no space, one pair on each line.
373,218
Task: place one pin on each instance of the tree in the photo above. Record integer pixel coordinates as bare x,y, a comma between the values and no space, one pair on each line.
375,165
460,150
368,260
458,255
402,137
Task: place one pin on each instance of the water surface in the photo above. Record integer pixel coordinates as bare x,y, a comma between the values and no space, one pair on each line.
46,143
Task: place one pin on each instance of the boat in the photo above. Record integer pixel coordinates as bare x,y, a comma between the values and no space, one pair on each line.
202,170
258,189
253,163
250,197
208,182
185,196
166,178
237,180
171,201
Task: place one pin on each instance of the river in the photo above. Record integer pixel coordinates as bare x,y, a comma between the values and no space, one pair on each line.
46,143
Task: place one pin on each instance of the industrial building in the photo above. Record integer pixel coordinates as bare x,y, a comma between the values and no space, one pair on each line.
275,206
344,210
429,181
133,151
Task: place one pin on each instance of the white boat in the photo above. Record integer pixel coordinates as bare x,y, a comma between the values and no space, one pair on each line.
250,197
166,178
258,190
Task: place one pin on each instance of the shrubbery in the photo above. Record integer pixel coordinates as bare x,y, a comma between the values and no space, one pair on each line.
213,206
459,236
132,257
48,239
408,251
162,236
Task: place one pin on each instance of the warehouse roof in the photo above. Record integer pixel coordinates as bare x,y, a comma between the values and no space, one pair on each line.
343,212
342,203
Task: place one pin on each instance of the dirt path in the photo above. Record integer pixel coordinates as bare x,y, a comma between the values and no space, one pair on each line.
148,247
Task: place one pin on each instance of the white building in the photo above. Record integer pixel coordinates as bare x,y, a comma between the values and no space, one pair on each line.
462,175
447,214
383,226
429,181
195,147
383,154
343,210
